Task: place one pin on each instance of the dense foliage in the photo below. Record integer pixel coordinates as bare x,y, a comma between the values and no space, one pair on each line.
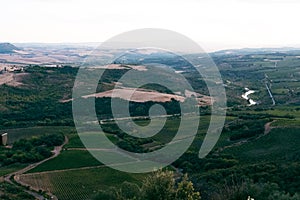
37,101
30,150
11,192
160,185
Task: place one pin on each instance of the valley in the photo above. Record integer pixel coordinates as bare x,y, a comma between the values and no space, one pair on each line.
257,153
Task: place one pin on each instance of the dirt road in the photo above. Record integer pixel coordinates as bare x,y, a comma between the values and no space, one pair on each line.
16,175
266,132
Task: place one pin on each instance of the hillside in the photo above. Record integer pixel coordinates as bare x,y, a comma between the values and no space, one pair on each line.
7,48
257,154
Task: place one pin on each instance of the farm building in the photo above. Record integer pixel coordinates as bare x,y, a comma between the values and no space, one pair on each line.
4,139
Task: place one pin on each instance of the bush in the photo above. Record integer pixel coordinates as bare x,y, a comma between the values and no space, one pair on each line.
258,191
30,150
160,185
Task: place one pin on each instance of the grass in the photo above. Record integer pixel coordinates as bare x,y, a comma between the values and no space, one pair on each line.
280,91
279,144
80,184
19,133
11,168
75,140
69,159
287,123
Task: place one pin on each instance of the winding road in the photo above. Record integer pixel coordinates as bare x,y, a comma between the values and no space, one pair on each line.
57,150
16,175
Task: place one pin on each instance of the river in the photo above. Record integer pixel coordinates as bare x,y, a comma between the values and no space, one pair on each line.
245,96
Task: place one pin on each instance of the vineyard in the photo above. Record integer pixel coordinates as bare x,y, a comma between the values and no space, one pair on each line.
78,184
21,133
69,159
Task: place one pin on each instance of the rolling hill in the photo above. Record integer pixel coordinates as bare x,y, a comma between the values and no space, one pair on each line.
7,48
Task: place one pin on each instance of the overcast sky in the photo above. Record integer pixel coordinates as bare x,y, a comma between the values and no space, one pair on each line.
214,24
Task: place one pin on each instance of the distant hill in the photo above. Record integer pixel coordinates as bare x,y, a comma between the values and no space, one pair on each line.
7,48
246,51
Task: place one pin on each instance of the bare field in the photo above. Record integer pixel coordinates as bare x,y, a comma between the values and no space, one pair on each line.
12,79
47,55
143,95
21,58
38,56
137,95
117,66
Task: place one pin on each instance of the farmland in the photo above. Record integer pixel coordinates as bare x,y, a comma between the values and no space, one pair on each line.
55,174
245,151
68,160
86,181
16,134
265,149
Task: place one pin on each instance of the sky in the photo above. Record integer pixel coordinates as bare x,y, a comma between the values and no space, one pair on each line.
214,24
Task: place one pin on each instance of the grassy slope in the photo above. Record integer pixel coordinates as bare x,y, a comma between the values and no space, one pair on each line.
11,168
15,134
279,145
68,160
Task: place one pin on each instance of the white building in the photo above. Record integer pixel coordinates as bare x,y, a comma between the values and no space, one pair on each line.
4,139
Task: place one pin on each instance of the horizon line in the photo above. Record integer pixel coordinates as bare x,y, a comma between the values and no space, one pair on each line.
207,48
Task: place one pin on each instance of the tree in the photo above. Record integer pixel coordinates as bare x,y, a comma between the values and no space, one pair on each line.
162,186
186,191
129,191
159,186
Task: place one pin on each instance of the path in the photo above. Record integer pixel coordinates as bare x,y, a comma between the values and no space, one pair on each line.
268,127
103,121
16,175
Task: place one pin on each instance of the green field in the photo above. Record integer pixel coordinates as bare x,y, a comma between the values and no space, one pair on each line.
280,145
68,159
11,168
75,140
15,134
